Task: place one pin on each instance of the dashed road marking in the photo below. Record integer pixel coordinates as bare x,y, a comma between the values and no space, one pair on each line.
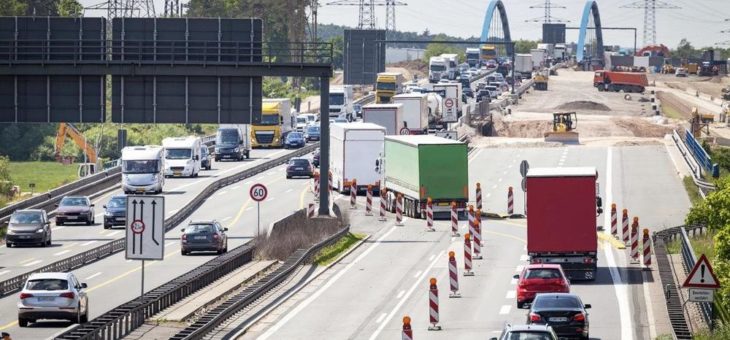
87,243
222,192
32,263
61,252
381,317
27,260
226,218
93,276
169,243
4,272
430,258
511,294
524,257
505,309
418,274
400,294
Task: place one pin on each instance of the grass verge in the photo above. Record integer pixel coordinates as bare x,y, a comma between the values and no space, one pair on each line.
330,253
701,244
45,175
692,190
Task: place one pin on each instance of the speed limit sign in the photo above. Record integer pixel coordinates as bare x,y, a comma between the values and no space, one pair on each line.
449,102
405,131
258,192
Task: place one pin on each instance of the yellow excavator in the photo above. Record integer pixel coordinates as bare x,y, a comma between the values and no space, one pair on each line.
540,80
564,124
86,168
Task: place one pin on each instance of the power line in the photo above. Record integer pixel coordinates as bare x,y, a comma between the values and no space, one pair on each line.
547,15
366,13
650,7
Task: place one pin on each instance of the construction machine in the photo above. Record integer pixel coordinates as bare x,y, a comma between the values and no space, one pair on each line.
540,80
564,124
700,121
668,69
89,166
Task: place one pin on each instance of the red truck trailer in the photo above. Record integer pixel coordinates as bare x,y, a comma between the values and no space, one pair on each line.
562,206
617,81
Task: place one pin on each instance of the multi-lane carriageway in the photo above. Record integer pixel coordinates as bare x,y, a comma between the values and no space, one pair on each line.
347,302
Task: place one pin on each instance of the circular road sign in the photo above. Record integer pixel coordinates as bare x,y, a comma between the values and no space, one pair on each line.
405,131
137,226
258,192
524,167
449,102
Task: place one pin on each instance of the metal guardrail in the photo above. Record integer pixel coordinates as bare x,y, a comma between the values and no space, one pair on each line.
700,155
14,284
694,165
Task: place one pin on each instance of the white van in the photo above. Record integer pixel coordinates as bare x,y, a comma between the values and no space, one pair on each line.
142,169
182,156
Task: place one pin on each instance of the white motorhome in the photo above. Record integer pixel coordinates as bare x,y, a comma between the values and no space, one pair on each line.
354,149
143,169
341,99
415,111
182,156
437,67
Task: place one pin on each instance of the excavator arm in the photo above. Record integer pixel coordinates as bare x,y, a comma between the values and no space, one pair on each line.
60,140
70,130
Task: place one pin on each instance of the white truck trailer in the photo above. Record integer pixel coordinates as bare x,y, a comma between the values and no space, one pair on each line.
354,149
415,111
389,116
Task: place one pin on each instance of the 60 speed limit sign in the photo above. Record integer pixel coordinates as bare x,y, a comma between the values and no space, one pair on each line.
258,192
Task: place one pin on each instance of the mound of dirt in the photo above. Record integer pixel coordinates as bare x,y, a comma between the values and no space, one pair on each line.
583,105
643,128
521,128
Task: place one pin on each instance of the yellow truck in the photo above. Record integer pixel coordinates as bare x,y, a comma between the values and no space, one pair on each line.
387,85
274,124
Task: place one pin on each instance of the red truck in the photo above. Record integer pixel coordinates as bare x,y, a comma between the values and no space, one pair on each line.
617,81
562,206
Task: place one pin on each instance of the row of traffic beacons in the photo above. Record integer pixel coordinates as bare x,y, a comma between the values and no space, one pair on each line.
639,247
472,251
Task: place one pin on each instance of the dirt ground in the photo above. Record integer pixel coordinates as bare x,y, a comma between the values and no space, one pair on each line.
708,85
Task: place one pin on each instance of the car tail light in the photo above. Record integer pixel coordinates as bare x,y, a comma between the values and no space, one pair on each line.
579,317
587,260
215,236
535,317
536,261
184,238
25,295
68,295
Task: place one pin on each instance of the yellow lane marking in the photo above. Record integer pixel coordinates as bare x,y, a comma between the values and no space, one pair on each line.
120,276
614,242
247,203
301,196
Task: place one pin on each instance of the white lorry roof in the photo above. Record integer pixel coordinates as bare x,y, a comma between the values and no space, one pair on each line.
411,95
179,142
563,172
357,126
141,152
416,140
382,106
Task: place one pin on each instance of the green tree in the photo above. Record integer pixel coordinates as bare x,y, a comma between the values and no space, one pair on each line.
437,49
5,181
524,46
685,49
70,8
338,49
12,7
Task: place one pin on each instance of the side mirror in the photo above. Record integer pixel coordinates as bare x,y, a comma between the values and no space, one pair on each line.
240,142
182,230
197,158
92,205
225,229
104,206
56,205
587,306
84,285
516,276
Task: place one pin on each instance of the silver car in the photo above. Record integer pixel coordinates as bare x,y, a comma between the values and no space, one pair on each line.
30,226
57,296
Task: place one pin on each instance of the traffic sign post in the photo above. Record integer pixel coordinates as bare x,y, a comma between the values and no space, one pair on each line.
145,230
701,295
449,110
524,168
404,131
258,193
702,283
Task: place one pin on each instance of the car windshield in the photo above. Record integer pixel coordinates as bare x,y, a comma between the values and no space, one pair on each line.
47,284
139,166
386,86
337,98
294,136
529,335
177,153
199,229
438,68
74,201
313,129
269,119
203,150
311,118
302,120
543,273
119,202
26,217
299,162
552,301
226,136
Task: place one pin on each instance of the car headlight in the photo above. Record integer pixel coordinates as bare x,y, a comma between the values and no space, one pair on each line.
108,213
236,150
39,231
11,232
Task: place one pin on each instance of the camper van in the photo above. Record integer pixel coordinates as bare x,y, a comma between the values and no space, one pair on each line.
143,169
182,156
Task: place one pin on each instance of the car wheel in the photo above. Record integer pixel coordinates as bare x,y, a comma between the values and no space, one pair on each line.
288,177
85,317
183,252
22,322
49,241
520,305
59,223
9,245
89,222
106,226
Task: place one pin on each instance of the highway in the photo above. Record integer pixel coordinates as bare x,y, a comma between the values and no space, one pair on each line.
114,280
366,295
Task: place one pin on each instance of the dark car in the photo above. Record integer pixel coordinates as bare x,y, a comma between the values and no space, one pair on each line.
315,158
230,143
30,226
484,94
299,167
75,209
527,332
564,312
115,211
540,278
294,140
312,133
204,236
204,158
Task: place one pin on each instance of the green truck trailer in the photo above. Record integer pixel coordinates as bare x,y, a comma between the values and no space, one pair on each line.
423,166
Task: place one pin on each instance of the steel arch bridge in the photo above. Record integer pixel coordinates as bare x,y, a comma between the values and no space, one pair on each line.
491,29
591,20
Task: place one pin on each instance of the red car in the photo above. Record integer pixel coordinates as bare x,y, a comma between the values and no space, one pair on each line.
540,278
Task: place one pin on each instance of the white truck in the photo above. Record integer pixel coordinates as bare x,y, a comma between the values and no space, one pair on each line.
389,116
560,52
451,103
437,68
415,111
472,56
341,99
143,169
452,65
182,156
548,48
354,149
538,57
524,64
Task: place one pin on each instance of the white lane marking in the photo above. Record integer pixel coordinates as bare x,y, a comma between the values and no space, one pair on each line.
236,187
505,309
4,272
249,208
400,294
649,308
273,329
169,243
32,263
418,274
288,190
113,233
510,166
510,294
93,276
524,257
499,180
381,317
489,194
248,183
61,252
172,211
129,261
269,199
222,193
27,260
418,282
494,186
519,268
260,178
430,258
87,243
513,281
226,218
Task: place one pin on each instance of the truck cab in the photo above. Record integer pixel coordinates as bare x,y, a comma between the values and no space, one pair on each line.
437,67
472,56
341,99
143,169
388,84
274,124
182,156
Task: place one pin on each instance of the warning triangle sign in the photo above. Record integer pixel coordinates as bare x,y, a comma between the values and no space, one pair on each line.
701,275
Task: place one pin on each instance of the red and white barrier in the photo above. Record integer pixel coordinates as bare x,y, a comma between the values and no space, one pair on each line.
399,210
369,201
470,217
433,306
635,240
353,194
510,202
646,244
625,226
479,196
316,186
407,331
477,237
467,255
383,195
310,210
429,215
454,220
614,221
453,276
